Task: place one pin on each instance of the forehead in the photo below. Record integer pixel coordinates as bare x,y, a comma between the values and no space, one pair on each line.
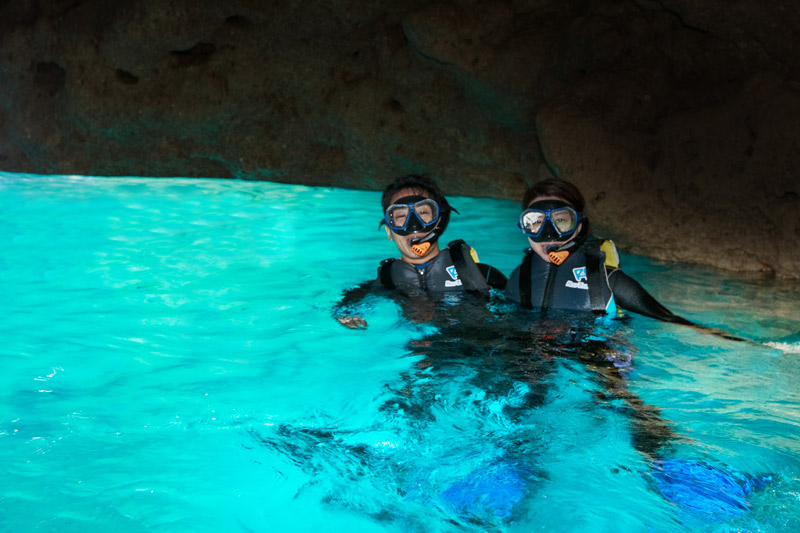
408,192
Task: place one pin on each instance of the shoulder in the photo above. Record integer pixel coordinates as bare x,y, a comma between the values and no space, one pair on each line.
607,248
474,274
610,250
387,265
459,247
393,271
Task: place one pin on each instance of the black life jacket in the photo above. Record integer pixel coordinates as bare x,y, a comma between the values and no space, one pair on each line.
580,283
454,269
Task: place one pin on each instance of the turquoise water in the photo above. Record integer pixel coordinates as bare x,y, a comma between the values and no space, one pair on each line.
170,363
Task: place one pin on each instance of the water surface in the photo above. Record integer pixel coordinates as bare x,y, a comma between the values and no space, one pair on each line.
170,363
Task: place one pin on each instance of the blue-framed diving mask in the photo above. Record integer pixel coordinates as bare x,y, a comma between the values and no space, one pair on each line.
549,221
412,214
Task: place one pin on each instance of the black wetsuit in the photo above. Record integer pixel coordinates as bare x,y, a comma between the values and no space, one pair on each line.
452,270
587,280
437,275
500,347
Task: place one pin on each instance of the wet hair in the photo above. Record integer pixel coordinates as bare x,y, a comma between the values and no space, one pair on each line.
560,189
415,182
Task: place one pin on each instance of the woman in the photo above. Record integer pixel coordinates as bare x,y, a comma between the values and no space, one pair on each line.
565,269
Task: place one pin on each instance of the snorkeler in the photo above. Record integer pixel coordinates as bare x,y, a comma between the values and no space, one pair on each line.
416,214
484,362
567,269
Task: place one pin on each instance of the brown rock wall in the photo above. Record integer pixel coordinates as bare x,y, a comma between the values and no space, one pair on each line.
678,119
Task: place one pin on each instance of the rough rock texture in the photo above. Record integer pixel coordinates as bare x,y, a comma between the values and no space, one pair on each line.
679,119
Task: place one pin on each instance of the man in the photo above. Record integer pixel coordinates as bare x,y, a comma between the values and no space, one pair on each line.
416,214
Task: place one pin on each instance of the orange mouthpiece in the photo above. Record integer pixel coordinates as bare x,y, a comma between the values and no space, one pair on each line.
421,248
558,257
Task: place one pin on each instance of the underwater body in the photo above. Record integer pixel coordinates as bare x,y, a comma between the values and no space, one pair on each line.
171,363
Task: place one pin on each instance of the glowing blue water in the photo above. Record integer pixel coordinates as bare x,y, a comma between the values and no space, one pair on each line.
169,363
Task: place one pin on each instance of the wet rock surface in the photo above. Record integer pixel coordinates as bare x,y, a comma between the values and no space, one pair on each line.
679,120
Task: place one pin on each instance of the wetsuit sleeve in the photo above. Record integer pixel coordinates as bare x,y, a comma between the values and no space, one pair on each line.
494,278
629,295
512,287
352,297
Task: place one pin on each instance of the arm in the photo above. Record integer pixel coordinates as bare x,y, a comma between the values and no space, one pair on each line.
631,296
493,277
344,311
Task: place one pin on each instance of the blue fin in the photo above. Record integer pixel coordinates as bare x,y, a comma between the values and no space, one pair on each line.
705,490
489,491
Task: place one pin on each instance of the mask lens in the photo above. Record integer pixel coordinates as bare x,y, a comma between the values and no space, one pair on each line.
427,211
544,224
531,221
397,215
564,220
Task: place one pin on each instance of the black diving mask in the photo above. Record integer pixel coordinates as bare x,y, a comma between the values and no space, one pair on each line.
549,221
412,214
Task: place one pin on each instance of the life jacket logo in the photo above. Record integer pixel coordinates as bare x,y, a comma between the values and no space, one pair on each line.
580,279
455,282
452,271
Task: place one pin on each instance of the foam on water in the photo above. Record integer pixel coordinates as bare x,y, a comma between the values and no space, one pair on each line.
170,362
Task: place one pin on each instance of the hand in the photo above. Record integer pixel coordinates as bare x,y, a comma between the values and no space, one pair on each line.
352,322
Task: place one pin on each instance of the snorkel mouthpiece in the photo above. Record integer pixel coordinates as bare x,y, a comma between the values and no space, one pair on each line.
421,248
421,245
557,257
558,253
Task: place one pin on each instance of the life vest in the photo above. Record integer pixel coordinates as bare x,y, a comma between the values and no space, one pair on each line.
579,283
454,269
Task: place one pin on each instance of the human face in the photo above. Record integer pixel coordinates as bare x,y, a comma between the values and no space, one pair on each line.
541,248
412,214
403,242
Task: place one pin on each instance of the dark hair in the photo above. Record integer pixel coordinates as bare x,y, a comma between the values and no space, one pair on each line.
560,189
415,182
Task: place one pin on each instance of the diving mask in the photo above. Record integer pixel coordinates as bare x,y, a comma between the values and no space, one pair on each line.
549,221
412,214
